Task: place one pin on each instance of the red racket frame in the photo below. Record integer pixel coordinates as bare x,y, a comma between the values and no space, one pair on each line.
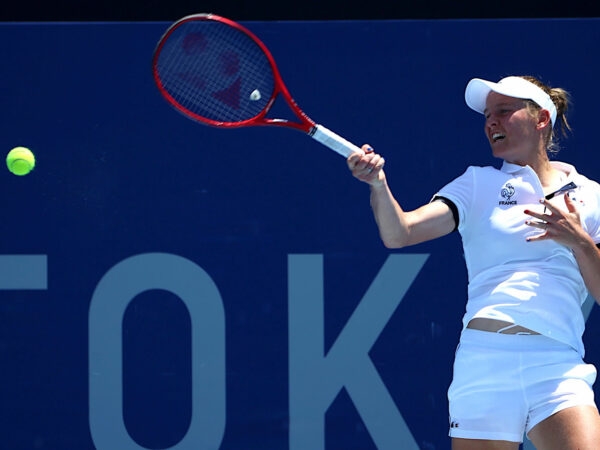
306,124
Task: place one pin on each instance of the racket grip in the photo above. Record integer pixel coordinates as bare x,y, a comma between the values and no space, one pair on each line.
334,142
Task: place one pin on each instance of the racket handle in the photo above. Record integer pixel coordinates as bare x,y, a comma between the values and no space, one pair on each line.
333,141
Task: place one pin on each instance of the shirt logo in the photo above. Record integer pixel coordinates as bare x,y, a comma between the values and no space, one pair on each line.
507,193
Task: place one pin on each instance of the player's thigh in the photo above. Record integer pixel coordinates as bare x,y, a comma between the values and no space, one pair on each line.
575,428
481,444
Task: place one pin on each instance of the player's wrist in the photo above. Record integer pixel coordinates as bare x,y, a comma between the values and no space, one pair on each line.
379,183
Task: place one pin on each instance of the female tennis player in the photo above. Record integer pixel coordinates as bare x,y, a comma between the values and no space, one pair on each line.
530,231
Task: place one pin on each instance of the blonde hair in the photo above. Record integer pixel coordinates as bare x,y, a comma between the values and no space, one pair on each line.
561,100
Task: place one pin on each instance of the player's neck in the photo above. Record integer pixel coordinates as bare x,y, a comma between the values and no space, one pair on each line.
550,177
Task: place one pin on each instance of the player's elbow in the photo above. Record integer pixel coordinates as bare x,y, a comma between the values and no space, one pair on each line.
393,242
392,245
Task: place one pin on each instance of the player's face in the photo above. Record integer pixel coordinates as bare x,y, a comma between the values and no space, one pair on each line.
510,128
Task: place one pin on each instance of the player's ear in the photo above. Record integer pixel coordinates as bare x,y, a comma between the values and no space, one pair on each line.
543,119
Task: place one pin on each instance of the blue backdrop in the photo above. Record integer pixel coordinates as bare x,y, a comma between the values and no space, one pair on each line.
169,285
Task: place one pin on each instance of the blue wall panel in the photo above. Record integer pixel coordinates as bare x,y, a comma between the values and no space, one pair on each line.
184,279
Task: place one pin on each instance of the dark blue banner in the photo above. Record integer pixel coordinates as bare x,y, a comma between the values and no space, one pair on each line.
170,285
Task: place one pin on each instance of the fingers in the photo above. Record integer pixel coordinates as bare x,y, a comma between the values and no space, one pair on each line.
551,210
356,158
570,204
366,167
353,160
556,223
541,224
540,216
549,206
366,148
538,224
543,219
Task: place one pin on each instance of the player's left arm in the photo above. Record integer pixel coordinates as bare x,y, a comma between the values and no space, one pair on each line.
587,255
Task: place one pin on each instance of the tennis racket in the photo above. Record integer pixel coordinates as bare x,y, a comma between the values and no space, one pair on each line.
217,72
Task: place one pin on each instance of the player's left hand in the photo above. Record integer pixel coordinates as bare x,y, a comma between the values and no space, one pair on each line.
563,226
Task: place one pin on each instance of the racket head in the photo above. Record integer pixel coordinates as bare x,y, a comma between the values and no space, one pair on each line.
217,72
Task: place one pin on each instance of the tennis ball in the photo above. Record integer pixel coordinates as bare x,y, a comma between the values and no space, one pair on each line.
255,95
20,161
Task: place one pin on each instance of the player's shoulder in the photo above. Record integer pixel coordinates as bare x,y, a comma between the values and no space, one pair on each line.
582,180
481,172
484,169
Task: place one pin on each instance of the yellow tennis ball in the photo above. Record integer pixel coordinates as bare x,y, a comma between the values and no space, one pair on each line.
20,161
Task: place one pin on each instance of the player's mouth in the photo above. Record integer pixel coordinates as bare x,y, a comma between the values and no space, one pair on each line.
497,137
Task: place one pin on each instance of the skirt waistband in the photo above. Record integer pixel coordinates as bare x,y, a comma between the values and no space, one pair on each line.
499,326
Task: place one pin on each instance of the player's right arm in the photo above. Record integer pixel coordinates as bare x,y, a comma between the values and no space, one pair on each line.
399,228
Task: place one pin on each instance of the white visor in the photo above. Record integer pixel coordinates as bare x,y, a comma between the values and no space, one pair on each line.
477,91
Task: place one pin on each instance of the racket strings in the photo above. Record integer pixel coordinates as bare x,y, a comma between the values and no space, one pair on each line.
215,72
